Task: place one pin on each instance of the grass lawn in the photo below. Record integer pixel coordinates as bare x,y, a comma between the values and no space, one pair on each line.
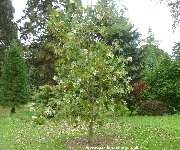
152,133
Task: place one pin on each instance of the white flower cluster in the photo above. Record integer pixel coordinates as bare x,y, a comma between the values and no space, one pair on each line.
78,81
129,59
32,107
49,111
85,51
55,78
124,102
71,1
110,55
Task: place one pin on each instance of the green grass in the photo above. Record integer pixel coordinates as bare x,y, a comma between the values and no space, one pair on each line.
152,133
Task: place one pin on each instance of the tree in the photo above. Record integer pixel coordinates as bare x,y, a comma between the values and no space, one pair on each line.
150,56
176,51
91,76
34,31
8,30
164,82
161,74
151,53
126,36
121,30
14,90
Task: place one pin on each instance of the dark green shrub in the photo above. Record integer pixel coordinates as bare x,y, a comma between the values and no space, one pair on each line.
153,108
121,109
48,100
164,82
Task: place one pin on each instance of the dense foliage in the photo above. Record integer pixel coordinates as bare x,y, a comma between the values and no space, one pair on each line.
164,82
8,30
139,89
88,68
14,90
161,73
151,53
92,77
121,30
154,108
47,101
33,30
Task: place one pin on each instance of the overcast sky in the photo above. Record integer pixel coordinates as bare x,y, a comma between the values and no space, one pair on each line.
143,14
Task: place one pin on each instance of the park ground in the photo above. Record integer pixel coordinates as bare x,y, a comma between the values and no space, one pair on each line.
18,131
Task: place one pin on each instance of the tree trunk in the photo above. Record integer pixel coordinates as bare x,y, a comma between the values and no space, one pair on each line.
90,138
13,110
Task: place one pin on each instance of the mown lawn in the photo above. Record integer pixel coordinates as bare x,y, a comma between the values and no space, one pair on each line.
152,133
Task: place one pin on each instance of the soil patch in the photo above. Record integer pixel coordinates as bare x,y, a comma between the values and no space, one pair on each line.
98,141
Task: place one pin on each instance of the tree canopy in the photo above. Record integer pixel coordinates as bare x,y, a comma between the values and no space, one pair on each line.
14,83
8,30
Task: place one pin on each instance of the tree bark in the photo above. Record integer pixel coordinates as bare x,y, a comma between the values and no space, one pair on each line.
90,138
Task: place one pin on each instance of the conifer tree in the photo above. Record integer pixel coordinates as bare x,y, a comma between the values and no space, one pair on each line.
14,90
8,30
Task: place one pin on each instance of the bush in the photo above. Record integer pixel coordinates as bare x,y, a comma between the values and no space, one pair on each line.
121,109
137,95
48,102
164,83
153,108
139,89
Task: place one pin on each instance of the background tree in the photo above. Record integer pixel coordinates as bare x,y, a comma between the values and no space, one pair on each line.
164,82
150,56
14,90
8,30
161,73
176,51
34,31
151,53
121,30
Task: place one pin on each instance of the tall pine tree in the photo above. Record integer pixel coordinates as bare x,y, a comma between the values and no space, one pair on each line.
14,90
151,53
8,30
